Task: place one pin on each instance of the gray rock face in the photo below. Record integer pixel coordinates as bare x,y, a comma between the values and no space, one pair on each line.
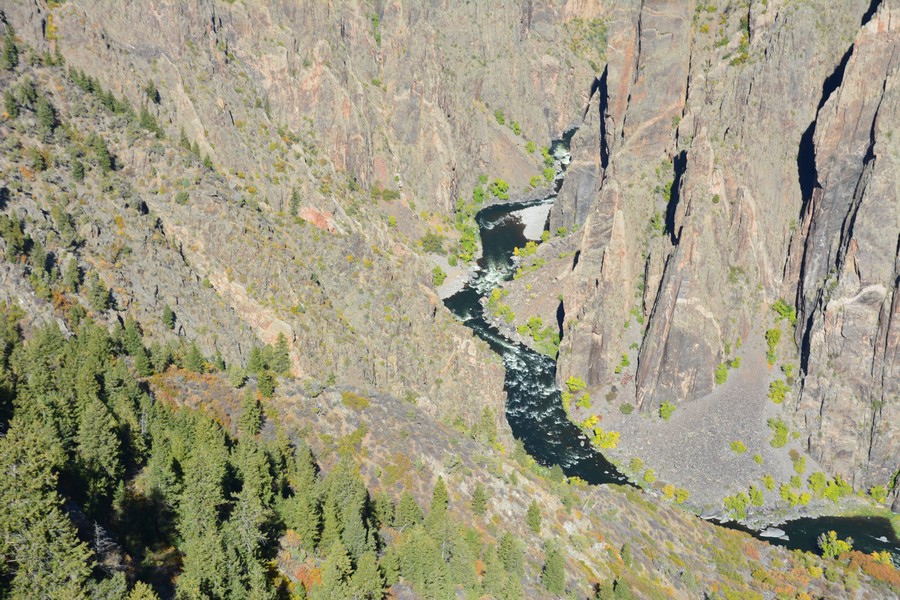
328,100
726,158
706,125
845,265
405,89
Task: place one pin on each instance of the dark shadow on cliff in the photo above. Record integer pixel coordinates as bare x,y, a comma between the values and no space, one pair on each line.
679,165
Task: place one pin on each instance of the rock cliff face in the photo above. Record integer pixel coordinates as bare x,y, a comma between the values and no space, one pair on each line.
844,263
726,157
342,113
727,160
397,88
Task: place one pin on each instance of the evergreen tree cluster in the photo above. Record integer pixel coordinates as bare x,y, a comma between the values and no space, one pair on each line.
95,470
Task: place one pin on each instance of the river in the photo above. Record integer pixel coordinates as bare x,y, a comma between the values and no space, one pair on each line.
534,405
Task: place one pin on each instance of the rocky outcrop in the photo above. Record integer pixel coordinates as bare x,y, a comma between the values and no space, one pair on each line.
645,85
845,264
699,142
398,94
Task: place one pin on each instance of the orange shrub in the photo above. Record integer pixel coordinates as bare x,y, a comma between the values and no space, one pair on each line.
873,568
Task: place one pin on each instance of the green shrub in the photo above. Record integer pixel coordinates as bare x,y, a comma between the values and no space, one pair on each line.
737,504
354,401
721,373
832,547
785,311
837,488
665,410
799,464
756,496
879,493
499,189
438,276
779,431
501,118
432,242
738,447
773,336
626,409
817,482
529,147
549,173
777,391
575,384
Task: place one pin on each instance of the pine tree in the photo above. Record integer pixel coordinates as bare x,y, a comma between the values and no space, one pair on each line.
46,116
42,553
408,512
160,357
244,536
511,554
98,294
294,204
437,514
301,513
266,384
11,230
479,500
67,233
183,140
72,275
383,509
99,451
533,517
256,362
142,591
205,469
77,170
251,414
194,361
114,587
10,50
553,576
331,522
168,317
336,574
463,554
26,93
133,339
142,363
281,358
367,582
390,564
10,105
104,158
